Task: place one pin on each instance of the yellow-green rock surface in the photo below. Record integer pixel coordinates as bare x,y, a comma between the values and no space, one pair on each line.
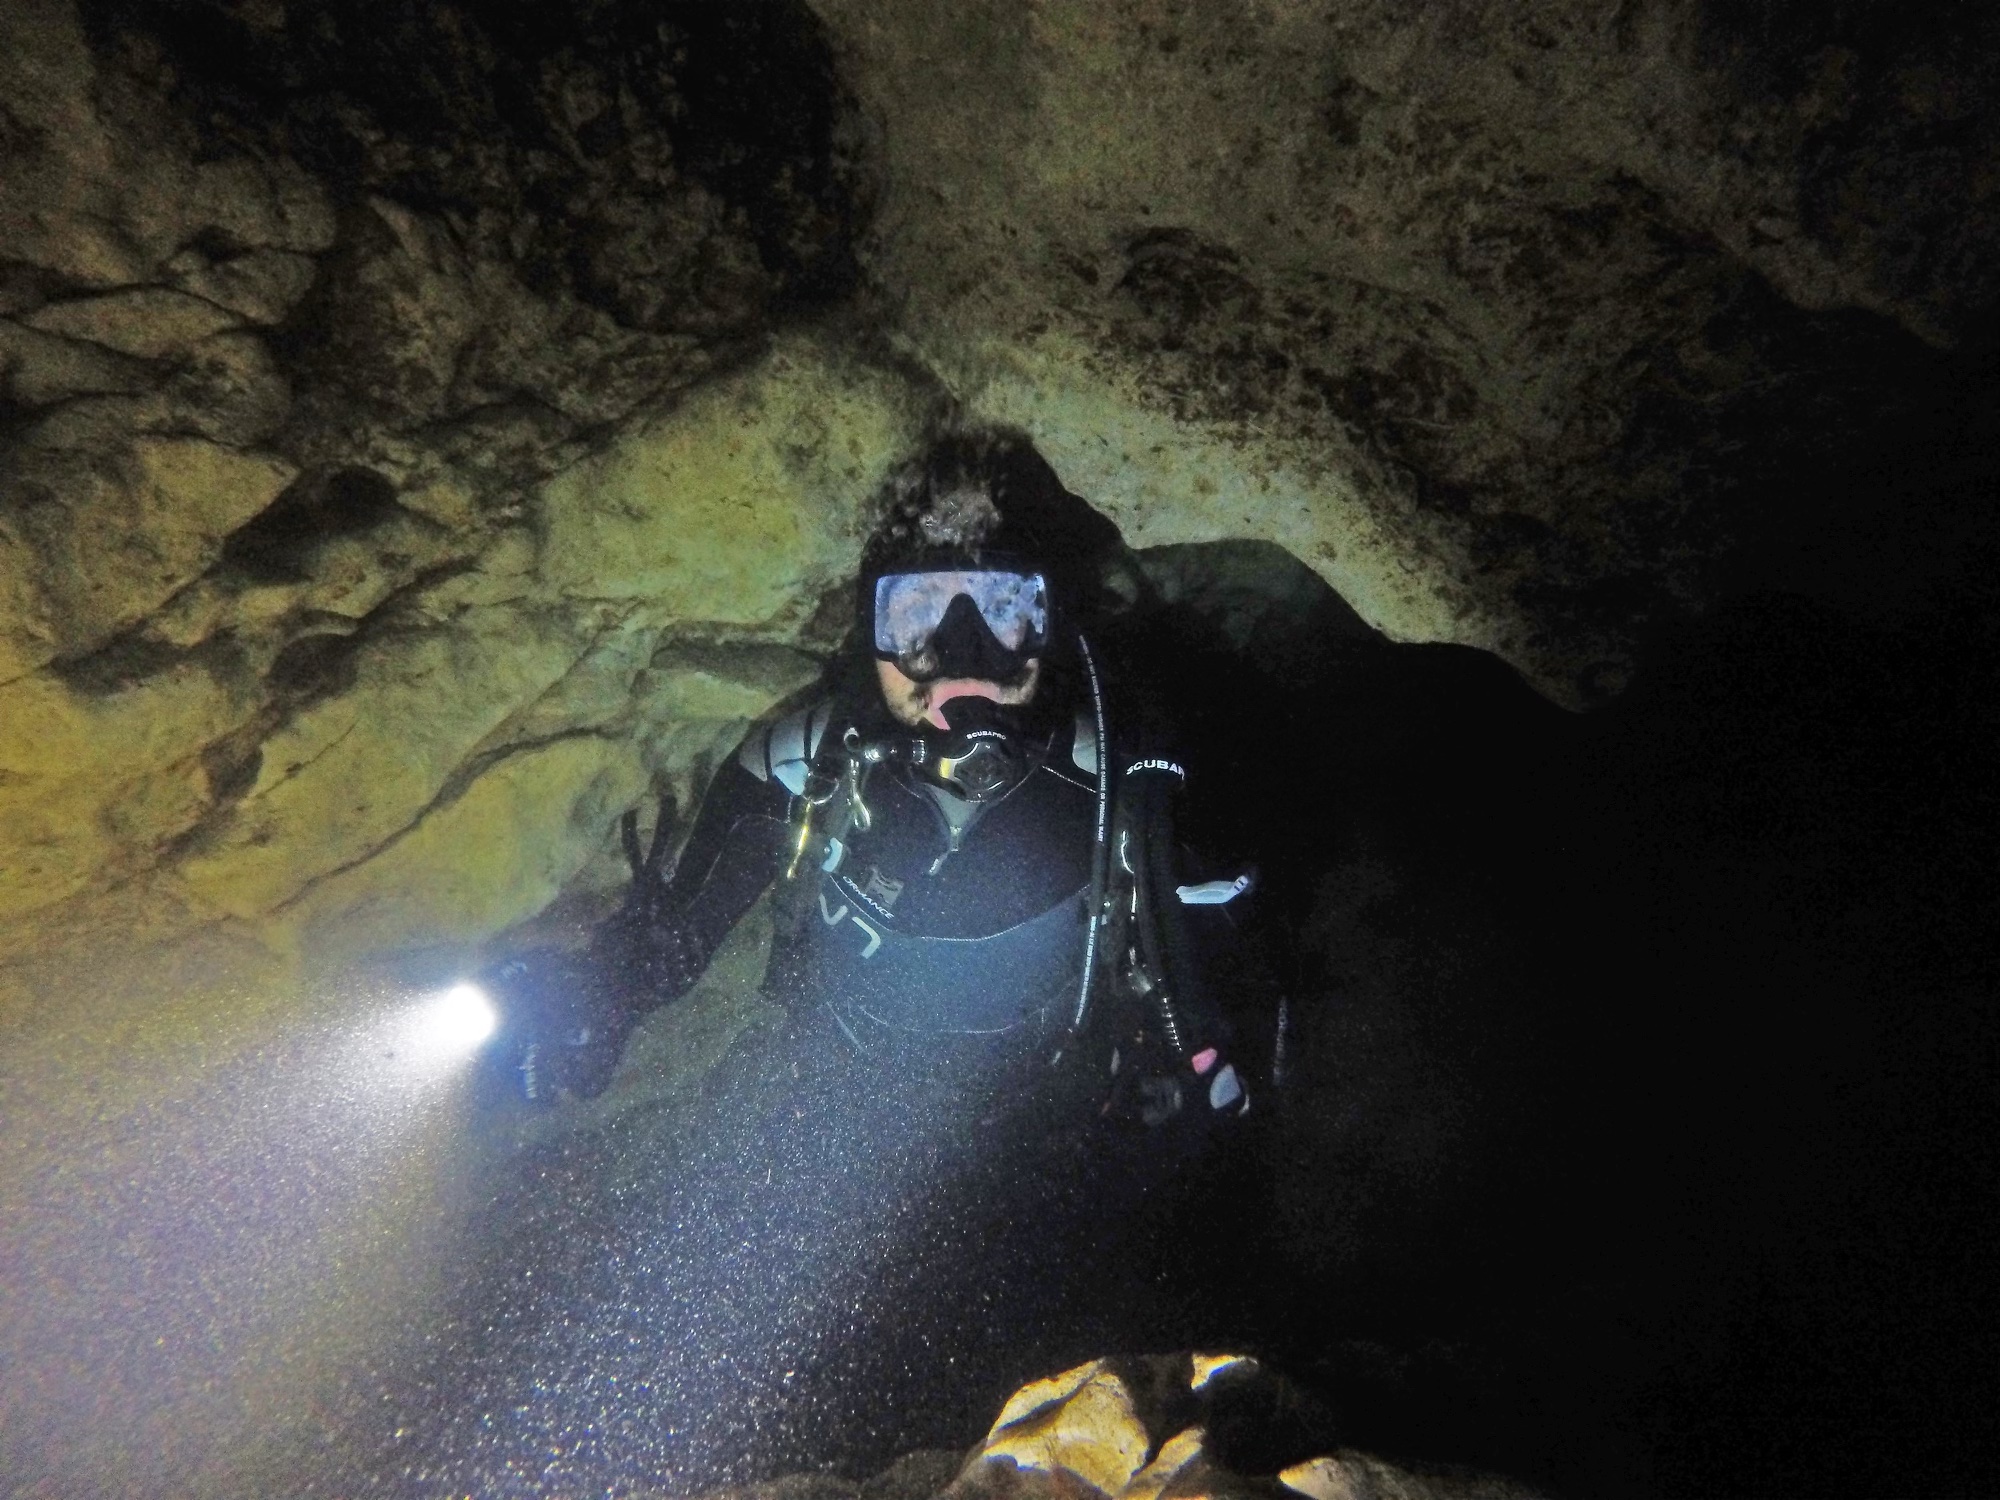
441,765
1137,1428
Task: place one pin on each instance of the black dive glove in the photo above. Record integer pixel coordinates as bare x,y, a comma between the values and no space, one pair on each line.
1154,1087
645,955
567,1014
562,1025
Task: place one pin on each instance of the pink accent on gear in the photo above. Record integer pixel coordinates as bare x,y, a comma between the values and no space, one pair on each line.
942,692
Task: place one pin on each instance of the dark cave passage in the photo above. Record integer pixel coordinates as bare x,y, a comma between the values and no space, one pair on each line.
1638,1095
1642,1136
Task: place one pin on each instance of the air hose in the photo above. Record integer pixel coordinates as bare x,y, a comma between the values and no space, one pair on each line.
1100,854
1153,873
1183,974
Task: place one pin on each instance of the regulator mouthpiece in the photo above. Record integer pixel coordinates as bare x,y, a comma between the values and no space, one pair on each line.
981,758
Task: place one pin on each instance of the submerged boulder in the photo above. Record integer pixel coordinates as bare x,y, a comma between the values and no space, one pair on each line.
1157,1427
1151,1427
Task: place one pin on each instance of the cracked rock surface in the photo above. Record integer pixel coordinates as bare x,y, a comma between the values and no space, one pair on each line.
1514,321
391,404
383,402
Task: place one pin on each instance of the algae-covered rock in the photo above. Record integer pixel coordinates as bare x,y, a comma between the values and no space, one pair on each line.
438,759
95,785
351,773
476,860
745,505
416,383
360,482
99,540
145,322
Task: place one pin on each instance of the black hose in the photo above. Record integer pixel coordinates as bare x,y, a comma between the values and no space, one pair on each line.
1183,974
1150,871
1100,854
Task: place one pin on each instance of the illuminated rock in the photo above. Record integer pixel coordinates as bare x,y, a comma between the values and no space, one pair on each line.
1141,1429
378,522
1080,1424
369,670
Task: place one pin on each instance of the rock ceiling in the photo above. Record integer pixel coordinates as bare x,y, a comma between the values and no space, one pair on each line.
424,430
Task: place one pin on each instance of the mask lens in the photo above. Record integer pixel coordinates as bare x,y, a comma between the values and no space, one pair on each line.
910,606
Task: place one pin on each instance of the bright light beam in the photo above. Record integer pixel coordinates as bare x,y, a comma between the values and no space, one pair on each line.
462,1017
453,1024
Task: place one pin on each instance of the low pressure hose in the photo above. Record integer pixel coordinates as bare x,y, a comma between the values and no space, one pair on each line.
1182,975
1100,854
1151,873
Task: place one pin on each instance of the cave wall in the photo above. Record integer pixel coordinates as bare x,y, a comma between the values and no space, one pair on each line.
1507,319
409,459
422,434
402,470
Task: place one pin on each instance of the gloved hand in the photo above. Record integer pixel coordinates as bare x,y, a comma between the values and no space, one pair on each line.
566,1014
1228,1095
1156,1089
645,954
562,1025
648,955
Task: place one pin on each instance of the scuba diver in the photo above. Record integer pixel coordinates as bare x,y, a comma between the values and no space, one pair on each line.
972,836
1001,1119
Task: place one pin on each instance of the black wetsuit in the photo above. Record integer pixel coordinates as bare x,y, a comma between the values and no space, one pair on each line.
923,919
931,920
897,1181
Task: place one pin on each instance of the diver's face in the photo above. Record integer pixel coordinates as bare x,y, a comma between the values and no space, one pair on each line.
916,703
